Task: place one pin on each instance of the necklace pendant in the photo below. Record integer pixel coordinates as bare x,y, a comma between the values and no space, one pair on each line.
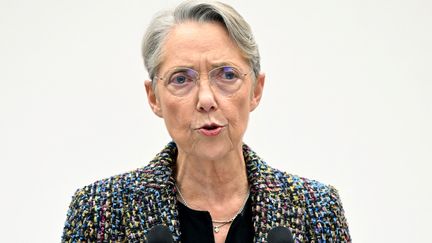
216,229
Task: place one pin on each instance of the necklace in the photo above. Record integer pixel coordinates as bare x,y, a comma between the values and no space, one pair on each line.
220,223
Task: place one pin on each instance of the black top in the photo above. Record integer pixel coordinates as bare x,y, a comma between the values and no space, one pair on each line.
196,226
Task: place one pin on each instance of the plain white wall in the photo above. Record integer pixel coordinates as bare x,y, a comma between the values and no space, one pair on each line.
347,102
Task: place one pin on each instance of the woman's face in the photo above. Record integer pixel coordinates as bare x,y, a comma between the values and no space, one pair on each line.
205,123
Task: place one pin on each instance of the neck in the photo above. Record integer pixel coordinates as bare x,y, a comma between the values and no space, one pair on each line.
207,183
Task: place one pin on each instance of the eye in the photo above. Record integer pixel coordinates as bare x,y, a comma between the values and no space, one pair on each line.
181,77
226,74
178,79
229,75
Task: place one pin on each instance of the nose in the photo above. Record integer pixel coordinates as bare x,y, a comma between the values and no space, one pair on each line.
206,99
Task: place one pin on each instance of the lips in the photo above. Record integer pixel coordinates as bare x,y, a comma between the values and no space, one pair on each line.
211,129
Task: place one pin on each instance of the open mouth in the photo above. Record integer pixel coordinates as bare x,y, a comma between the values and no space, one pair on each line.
210,129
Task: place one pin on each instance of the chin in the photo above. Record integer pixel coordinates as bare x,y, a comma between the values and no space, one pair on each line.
212,149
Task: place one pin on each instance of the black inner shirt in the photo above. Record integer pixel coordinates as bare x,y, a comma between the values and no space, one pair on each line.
196,226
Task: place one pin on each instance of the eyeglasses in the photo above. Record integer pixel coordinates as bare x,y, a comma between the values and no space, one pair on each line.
180,81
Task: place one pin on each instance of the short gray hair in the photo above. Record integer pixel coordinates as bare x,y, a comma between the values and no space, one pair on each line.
201,11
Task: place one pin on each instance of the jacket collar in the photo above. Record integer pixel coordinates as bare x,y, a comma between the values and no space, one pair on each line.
157,179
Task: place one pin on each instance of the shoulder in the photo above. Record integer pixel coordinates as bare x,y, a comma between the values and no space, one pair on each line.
102,204
92,206
101,210
320,203
312,191
115,186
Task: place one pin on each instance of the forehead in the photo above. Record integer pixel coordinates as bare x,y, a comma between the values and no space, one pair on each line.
194,44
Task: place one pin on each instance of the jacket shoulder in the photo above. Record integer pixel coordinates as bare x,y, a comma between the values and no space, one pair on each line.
96,210
102,210
321,205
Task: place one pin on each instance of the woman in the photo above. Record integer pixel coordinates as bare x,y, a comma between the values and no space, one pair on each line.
206,185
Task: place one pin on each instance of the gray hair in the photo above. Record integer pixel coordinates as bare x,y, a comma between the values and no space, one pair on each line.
201,11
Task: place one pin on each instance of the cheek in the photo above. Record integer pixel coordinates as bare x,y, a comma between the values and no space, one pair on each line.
239,114
176,114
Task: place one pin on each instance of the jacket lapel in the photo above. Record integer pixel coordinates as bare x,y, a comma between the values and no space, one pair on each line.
273,204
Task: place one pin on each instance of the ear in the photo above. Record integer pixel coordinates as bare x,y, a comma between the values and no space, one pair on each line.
257,91
152,98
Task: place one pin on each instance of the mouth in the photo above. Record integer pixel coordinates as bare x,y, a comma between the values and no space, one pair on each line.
211,126
210,129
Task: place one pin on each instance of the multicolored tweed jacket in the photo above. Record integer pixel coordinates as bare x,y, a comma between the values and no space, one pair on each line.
123,208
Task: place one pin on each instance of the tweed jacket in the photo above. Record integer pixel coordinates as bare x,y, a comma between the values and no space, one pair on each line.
125,207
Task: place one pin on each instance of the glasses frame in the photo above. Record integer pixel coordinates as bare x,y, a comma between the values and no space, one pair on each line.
172,71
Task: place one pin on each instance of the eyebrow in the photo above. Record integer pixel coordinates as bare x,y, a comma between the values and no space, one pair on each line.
212,66
221,64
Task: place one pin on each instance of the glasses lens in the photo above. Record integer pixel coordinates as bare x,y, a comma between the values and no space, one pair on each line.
181,80
227,79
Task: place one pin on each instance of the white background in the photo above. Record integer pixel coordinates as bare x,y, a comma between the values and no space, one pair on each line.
347,101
